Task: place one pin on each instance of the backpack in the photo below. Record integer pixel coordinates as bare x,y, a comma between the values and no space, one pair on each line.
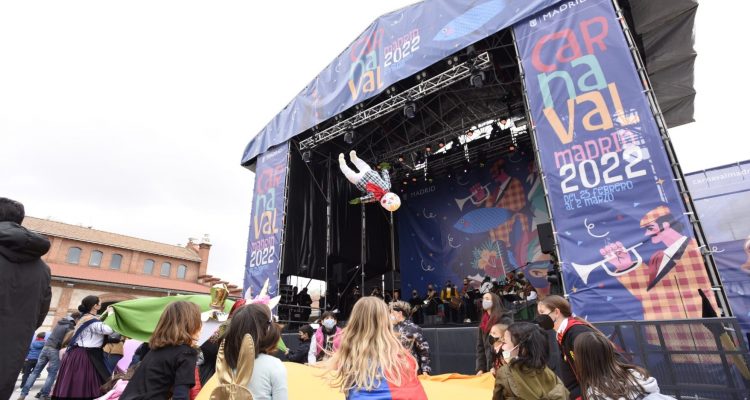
232,385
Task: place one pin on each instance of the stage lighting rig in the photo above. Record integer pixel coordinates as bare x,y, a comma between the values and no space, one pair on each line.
307,156
349,136
456,73
410,109
477,79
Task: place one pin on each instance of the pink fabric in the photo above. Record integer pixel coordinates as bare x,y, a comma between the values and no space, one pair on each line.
116,391
128,349
319,339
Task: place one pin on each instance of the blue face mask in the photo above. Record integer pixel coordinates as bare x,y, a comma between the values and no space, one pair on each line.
329,323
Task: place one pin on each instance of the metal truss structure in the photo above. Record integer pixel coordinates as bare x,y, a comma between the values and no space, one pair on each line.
426,87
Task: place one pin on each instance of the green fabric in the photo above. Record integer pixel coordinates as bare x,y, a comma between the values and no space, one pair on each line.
281,345
137,318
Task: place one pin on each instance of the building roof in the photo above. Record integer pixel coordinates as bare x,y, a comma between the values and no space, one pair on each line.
84,234
108,276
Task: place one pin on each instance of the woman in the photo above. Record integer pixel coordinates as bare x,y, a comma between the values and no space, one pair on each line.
371,363
82,371
326,339
168,370
603,376
568,328
268,377
410,335
526,376
493,314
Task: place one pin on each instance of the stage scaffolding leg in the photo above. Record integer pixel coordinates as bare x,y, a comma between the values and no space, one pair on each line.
687,200
393,257
363,249
328,232
538,160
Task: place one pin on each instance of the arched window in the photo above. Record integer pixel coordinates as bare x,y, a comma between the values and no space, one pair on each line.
115,262
166,268
74,255
96,258
181,271
148,267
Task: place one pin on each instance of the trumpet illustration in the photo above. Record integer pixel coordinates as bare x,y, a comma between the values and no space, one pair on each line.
584,270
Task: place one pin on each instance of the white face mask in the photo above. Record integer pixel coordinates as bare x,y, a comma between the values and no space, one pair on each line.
506,356
329,323
486,304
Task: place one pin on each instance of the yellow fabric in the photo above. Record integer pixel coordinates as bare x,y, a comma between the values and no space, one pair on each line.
306,382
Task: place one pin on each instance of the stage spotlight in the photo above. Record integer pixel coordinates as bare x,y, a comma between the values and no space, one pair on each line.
410,109
306,156
477,79
349,136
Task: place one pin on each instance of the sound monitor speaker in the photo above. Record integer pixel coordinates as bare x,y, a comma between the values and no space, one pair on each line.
546,238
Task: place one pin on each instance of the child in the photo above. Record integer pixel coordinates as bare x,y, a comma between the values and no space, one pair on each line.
299,355
251,364
326,340
603,376
526,376
371,363
497,334
168,370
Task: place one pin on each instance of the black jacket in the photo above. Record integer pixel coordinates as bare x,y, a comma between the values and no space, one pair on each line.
299,354
55,339
567,367
24,297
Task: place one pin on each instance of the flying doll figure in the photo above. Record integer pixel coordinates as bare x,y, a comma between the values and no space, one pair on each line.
376,186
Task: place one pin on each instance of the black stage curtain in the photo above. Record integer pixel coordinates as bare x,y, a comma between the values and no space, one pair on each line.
305,227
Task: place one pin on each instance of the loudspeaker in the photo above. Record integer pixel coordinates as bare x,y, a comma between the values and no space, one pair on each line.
546,238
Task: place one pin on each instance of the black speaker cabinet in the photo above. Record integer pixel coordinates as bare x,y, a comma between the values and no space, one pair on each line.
546,238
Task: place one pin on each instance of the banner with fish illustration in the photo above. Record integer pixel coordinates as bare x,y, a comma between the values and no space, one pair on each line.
267,221
626,247
394,47
722,199
479,223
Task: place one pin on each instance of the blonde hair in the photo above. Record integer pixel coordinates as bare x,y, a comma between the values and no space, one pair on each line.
368,348
177,325
401,306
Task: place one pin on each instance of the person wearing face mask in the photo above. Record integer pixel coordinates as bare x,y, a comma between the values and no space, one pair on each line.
567,328
431,303
493,313
410,335
499,357
326,340
451,302
299,355
417,314
554,362
526,375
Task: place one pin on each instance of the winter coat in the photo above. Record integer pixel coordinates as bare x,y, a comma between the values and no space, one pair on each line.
55,339
512,382
36,347
412,339
649,385
24,297
299,354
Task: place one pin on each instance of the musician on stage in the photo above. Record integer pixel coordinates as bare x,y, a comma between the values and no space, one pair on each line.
451,302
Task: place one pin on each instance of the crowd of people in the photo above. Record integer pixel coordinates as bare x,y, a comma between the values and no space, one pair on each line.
379,352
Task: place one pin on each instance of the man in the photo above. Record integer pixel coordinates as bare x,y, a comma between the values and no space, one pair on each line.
25,291
410,335
299,354
416,305
50,354
451,302
28,365
305,301
468,295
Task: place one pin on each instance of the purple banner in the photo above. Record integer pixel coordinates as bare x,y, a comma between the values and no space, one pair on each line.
627,250
266,221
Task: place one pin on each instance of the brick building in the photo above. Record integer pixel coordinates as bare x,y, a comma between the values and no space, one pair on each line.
115,267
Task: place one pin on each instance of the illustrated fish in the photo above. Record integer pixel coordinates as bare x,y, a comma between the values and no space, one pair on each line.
470,21
482,220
